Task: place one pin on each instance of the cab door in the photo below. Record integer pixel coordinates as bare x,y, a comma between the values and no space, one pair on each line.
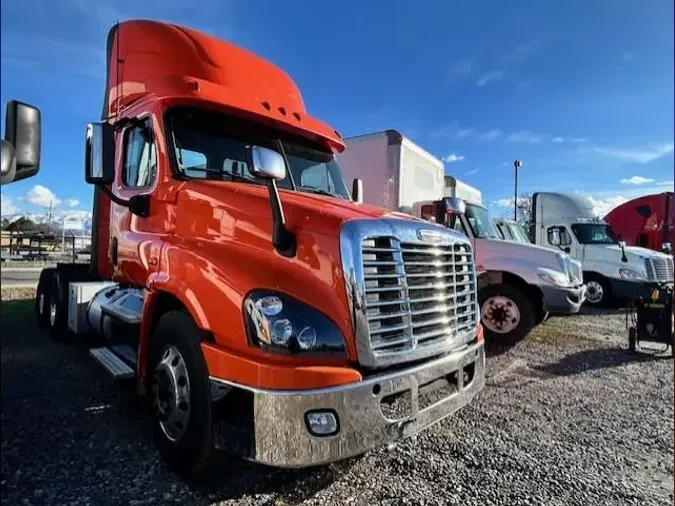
131,233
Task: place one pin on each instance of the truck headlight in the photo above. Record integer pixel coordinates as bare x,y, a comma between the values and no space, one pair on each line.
554,277
630,274
277,322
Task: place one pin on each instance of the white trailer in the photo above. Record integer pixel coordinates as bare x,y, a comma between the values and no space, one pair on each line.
455,188
395,171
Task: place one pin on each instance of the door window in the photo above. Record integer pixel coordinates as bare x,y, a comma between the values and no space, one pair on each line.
140,157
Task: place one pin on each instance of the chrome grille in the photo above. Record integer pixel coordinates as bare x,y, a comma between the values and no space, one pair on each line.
659,269
417,294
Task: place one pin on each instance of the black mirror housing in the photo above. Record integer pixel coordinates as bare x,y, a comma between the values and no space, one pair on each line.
99,158
23,132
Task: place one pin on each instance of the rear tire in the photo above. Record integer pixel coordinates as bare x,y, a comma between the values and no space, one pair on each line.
42,297
182,399
507,314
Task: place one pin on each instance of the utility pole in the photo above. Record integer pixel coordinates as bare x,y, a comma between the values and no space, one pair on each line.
50,216
516,165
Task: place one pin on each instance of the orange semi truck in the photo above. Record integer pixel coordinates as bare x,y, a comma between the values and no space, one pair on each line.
249,295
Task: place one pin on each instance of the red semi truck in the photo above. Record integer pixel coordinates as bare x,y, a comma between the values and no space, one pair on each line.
645,221
256,302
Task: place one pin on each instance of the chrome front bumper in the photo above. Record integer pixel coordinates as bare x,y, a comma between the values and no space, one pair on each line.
281,437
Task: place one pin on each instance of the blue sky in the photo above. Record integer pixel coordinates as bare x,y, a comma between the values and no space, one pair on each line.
581,91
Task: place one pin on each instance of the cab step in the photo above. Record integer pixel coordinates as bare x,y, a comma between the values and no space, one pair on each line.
112,363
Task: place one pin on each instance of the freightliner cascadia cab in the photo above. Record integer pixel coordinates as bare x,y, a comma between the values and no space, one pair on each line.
254,299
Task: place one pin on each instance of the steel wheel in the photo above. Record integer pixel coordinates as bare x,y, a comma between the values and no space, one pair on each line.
594,292
171,388
52,313
500,314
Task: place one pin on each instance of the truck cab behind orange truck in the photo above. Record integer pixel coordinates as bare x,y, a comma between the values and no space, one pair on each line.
258,303
645,221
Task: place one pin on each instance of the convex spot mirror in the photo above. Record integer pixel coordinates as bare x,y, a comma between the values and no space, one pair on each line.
99,158
21,145
267,164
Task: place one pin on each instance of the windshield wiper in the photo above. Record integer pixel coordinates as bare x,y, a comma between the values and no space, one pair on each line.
318,191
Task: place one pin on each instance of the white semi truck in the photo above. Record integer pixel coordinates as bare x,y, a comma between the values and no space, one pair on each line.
613,271
518,284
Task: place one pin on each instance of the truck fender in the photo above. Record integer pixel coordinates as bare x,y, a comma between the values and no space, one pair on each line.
158,285
532,292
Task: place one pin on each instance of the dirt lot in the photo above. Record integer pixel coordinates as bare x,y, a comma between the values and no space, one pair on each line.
567,417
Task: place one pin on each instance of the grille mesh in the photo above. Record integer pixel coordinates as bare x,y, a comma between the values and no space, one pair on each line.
416,294
659,269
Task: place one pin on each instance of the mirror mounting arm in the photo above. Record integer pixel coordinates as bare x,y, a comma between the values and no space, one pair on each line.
138,204
283,240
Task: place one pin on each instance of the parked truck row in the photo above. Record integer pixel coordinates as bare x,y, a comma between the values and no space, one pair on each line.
518,283
258,304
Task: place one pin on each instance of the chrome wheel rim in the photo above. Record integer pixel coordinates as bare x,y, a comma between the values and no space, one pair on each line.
500,314
52,313
171,389
594,292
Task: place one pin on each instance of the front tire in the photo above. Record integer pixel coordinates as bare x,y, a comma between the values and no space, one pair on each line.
181,395
598,291
506,313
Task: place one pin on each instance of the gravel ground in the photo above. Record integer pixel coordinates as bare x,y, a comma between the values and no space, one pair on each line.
567,417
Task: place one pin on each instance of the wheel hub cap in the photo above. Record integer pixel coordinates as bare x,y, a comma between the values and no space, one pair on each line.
594,291
41,304
500,314
171,388
52,313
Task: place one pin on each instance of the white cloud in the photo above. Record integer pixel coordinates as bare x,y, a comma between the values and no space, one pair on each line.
490,135
490,77
601,206
472,171
524,137
558,139
522,52
626,55
463,67
636,180
509,202
7,207
455,132
577,140
637,155
72,202
41,196
452,157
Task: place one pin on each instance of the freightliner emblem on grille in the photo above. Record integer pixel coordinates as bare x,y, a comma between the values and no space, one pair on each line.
428,235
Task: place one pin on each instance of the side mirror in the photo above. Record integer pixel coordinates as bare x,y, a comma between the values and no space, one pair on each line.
267,164
357,191
454,205
667,247
21,145
622,244
99,157
554,237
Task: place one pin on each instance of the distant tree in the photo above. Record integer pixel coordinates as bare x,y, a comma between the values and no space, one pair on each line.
525,211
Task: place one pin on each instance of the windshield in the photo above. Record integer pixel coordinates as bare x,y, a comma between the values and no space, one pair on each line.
481,222
214,146
518,233
593,233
